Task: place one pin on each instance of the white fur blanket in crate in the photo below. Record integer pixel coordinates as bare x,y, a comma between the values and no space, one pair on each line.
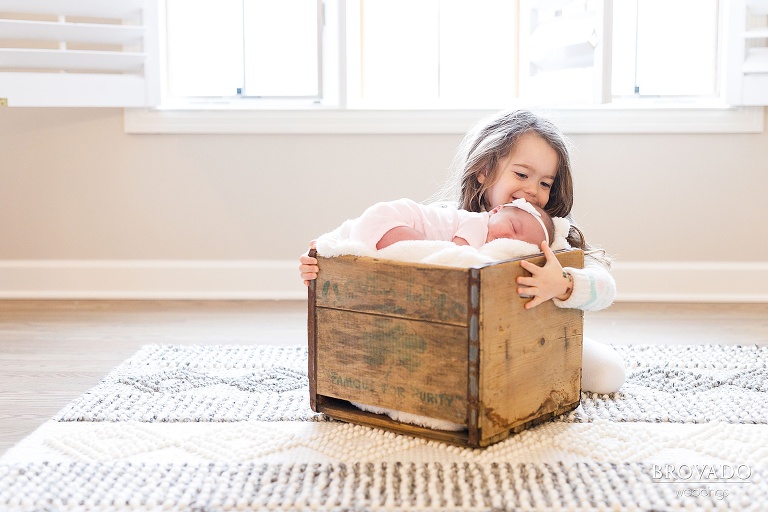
438,252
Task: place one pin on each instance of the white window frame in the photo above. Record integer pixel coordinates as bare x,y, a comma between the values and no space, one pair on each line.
626,117
638,117
612,118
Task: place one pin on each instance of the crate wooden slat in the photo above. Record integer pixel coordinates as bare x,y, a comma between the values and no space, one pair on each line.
453,344
393,288
372,359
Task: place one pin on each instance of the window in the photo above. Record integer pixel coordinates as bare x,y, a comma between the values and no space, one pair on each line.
444,53
652,59
335,65
393,53
432,53
244,48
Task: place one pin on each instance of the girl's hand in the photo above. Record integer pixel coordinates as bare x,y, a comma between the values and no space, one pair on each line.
545,282
308,266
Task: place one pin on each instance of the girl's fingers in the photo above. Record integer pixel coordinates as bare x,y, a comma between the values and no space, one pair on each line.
533,302
548,252
552,261
530,267
306,260
308,266
535,285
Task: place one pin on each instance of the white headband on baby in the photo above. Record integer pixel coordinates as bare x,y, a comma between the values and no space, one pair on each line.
524,205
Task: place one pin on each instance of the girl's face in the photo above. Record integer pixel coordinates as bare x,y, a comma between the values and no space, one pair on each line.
527,172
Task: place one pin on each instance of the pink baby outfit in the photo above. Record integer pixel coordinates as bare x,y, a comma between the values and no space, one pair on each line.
436,222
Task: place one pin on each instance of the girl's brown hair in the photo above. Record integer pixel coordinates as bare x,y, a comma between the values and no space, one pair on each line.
492,139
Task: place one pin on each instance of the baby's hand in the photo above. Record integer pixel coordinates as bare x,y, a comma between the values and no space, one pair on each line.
545,282
308,265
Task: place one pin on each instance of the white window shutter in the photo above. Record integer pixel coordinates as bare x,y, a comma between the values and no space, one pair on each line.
746,54
564,58
79,53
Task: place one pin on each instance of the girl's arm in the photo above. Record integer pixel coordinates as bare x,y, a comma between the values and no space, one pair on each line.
593,287
590,289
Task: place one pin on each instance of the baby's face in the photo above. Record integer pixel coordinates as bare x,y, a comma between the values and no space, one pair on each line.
516,224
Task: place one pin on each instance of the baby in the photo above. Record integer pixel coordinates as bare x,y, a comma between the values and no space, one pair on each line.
385,223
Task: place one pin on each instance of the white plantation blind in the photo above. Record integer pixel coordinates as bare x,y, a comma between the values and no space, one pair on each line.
79,53
746,60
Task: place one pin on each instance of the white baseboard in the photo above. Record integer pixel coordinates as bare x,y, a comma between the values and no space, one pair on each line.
151,279
279,280
691,281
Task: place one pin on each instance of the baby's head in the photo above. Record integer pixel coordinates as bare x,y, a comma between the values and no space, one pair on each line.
521,220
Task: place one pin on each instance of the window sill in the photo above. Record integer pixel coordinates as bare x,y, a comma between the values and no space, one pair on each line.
614,118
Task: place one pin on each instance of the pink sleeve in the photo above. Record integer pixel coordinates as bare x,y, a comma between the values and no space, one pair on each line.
377,220
473,228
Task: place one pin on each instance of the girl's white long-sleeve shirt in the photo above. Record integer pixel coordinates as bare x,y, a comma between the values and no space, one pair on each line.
593,287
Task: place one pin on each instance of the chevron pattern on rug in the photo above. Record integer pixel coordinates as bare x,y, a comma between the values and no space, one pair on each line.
224,428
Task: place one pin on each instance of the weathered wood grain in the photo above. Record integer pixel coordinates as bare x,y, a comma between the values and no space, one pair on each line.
406,290
530,358
409,365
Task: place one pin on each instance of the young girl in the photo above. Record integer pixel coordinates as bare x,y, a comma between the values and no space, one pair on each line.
517,154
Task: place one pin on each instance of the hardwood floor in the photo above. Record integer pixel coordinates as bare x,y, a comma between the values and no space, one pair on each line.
53,351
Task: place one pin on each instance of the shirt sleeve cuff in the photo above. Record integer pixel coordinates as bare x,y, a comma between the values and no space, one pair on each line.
582,290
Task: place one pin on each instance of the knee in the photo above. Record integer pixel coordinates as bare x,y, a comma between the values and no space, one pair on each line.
607,377
602,368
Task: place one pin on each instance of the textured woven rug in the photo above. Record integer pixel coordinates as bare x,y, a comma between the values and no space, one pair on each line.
220,428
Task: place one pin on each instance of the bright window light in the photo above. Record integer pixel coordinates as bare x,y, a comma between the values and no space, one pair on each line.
437,53
281,48
399,51
204,47
665,49
677,47
478,52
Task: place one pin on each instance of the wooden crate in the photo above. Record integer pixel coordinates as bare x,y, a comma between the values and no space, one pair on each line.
449,343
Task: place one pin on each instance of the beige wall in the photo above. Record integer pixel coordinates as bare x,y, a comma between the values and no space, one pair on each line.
74,186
